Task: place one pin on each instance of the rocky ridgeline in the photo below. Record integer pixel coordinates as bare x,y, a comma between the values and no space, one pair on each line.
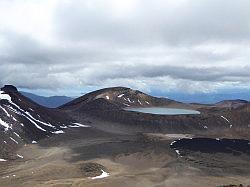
23,121
108,104
121,97
234,185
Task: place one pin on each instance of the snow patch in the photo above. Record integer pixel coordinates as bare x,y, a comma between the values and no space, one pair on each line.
178,152
4,96
17,135
6,125
58,132
14,140
2,160
20,156
147,102
28,116
120,95
225,119
172,143
63,127
78,125
34,142
46,124
107,97
103,175
5,111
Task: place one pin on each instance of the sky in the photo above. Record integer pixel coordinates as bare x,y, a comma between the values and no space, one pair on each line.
69,47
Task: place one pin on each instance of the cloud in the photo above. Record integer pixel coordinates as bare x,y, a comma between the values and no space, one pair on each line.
161,22
184,45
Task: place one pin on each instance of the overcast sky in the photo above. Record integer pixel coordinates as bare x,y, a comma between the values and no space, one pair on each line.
73,46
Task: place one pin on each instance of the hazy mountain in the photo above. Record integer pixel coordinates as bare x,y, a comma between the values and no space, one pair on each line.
205,98
51,102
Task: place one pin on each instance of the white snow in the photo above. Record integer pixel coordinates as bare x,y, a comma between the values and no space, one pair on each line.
172,143
107,97
103,175
205,127
2,160
139,102
129,100
4,96
178,152
58,132
225,119
120,95
6,125
147,102
14,140
78,125
63,127
5,111
17,135
20,156
37,126
34,142
28,116
46,124
4,141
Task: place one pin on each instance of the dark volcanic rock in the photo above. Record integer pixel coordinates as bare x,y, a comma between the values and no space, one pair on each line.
92,169
23,121
212,146
9,88
234,185
122,97
107,104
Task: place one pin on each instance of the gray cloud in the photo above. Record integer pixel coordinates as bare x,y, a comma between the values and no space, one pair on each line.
159,22
188,45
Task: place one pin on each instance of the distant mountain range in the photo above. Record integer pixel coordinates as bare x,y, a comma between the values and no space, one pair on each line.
50,102
205,98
